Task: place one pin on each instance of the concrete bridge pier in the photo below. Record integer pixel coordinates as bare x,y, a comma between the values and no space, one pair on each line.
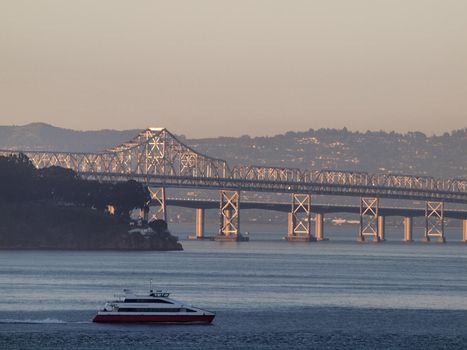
199,223
319,226
464,230
408,229
290,224
381,228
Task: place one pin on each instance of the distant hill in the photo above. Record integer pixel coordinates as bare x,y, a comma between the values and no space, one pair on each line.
410,153
41,136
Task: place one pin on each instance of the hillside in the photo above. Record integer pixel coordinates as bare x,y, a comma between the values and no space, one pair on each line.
412,153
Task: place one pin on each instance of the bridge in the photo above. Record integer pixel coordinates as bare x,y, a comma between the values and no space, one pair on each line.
319,210
159,160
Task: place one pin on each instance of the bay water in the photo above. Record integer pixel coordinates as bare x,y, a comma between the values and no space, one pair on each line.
267,294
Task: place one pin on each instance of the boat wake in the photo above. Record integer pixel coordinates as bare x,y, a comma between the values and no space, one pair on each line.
43,321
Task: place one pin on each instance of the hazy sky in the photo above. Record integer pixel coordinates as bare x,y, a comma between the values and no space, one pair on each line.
209,68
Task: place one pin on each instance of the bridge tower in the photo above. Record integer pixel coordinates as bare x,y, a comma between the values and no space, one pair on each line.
434,221
299,218
370,223
229,225
157,201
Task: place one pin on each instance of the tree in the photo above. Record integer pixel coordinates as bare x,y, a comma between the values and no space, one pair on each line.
21,181
17,177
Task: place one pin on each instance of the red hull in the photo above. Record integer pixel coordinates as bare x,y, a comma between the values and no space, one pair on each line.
155,318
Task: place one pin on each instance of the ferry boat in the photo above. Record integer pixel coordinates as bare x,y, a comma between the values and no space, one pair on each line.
156,307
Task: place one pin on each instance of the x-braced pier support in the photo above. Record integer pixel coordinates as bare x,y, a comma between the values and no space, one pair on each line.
155,209
299,218
369,223
229,226
434,222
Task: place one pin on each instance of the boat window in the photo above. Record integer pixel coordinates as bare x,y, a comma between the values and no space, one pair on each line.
186,310
160,301
127,309
163,301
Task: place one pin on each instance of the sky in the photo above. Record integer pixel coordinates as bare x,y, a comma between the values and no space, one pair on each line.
207,68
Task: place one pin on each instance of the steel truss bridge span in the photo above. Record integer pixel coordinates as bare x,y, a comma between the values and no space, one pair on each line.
156,157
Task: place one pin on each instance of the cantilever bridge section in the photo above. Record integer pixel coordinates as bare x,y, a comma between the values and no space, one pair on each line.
157,158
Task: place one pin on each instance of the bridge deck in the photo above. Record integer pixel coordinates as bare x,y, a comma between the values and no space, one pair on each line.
316,208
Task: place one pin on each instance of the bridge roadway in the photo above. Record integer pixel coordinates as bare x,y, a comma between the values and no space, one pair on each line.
277,186
315,208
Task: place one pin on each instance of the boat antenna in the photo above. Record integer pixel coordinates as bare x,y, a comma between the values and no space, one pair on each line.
150,285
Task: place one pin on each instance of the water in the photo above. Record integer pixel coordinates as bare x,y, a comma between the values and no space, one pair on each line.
267,293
